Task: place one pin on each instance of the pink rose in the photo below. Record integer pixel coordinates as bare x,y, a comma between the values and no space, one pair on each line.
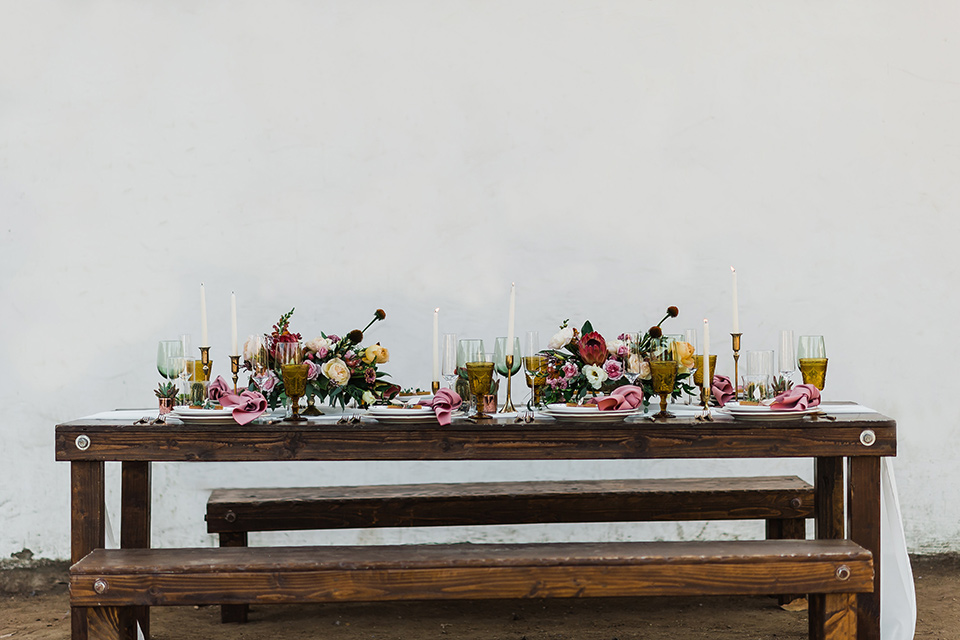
269,382
313,370
570,370
614,369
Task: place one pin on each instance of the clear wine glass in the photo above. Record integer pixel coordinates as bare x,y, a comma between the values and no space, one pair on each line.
448,364
632,361
170,359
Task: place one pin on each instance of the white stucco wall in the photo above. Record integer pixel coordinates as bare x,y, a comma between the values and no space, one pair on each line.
611,157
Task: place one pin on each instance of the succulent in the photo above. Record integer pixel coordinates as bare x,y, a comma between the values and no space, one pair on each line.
166,390
781,384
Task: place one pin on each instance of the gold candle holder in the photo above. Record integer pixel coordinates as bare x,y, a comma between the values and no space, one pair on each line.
435,386
736,366
663,375
508,404
698,377
205,364
235,370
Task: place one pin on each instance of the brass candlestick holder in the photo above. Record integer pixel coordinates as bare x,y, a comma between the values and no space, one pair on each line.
736,366
205,363
663,374
698,376
508,404
235,370
435,386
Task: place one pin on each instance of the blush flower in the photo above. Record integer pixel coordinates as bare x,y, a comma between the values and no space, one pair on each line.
313,370
269,382
561,339
336,371
613,369
569,370
683,354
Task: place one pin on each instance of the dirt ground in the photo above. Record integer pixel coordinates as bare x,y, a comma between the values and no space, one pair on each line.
45,615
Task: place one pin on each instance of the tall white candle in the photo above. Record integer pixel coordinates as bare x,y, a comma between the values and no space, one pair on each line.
204,342
233,324
707,382
736,306
513,317
436,344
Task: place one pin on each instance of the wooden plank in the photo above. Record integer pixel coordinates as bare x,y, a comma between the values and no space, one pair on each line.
828,484
327,574
508,502
841,616
106,623
87,531
464,441
135,505
863,512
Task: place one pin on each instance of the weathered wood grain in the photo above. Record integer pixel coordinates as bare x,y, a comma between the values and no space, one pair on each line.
490,503
544,440
159,577
863,525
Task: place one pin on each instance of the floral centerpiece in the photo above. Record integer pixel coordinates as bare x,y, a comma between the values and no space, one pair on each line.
340,370
584,363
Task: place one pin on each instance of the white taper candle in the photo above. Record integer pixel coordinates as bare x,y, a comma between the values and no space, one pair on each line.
436,344
204,342
233,324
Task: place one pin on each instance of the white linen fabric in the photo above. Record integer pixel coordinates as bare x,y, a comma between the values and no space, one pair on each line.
898,598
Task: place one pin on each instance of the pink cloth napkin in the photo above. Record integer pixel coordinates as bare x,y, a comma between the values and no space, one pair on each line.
445,402
625,397
246,407
217,389
802,396
722,389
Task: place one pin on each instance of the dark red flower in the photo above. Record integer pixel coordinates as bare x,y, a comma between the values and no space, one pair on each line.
673,312
655,332
593,348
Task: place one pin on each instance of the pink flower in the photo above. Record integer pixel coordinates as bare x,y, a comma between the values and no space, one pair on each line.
593,348
370,376
333,339
269,382
570,370
614,369
313,370
623,351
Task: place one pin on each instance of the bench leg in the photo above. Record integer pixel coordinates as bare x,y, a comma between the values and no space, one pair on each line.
234,612
840,616
786,529
108,623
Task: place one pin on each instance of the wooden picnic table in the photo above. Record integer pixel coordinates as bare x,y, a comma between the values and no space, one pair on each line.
852,444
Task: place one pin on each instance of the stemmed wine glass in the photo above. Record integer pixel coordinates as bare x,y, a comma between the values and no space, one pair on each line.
448,366
170,359
468,351
290,360
787,356
500,353
259,360
632,361
690,337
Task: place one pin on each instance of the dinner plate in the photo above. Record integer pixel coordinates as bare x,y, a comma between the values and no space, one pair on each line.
760,412
186,415
587,413
423,415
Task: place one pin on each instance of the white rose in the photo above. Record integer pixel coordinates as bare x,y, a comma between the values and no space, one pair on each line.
368,398
595,375
250,348
336,371
644,370
561,339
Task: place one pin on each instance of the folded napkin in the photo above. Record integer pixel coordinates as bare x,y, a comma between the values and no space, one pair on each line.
445,402
802,396
722,389
217,389
247,406
625,397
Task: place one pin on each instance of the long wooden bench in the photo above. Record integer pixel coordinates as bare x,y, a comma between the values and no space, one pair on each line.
782,501
109,583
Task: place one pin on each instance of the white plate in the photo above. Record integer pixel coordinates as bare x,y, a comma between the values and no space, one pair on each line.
202,413
759,412
423,415
588,413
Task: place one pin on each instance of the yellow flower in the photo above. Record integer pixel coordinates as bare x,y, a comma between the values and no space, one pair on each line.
376,353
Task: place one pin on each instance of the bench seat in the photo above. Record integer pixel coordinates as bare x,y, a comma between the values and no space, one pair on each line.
109,582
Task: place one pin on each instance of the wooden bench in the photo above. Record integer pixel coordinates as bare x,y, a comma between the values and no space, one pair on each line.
782,501
109,583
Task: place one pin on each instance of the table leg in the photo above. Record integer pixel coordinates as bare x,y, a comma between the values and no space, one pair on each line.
86,524
135,501
863,521
828,511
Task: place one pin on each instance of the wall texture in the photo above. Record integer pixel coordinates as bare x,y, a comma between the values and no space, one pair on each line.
611,157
